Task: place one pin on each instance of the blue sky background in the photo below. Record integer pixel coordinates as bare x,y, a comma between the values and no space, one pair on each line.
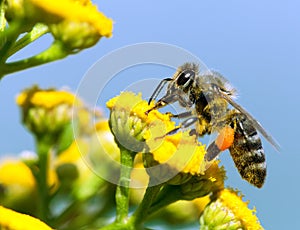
255,44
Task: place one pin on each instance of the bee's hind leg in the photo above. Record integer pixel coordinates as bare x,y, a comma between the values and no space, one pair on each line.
223,141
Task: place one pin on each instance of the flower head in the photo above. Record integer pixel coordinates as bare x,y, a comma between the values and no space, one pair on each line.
127,122
229,211
76,23
16,173
46,111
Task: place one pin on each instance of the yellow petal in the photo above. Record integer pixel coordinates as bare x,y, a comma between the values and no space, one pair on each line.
11,220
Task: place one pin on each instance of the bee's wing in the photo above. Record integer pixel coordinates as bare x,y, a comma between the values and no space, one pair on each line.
254,122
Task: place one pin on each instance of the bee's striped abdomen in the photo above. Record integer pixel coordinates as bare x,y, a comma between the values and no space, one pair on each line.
247,152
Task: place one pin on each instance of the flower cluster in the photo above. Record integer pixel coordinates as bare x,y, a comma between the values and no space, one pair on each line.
164,176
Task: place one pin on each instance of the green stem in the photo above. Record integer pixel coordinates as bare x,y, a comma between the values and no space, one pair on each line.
37,31
8,38
43,148
141,213
54,52
122,192
118,226
168,195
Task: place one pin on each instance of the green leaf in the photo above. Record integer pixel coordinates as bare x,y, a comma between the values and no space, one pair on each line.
66,138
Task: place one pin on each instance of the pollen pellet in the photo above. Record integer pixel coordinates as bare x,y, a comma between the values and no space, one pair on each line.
225,138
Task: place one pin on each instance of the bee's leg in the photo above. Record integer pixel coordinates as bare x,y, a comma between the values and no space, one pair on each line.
194,132
186,123
182,115
167,99
158,89
223,141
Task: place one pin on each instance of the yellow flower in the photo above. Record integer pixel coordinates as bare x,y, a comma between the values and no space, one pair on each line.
136,106
18,186
50,99
54,11
126,122
19,182
240,209
173,158
177,158
164,156
16,173
45,98
79,11
229,211
11,220
76,24
47,111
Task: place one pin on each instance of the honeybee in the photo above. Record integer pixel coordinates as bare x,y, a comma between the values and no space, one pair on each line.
209,103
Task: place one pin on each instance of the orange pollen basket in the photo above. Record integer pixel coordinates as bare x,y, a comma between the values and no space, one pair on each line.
225,138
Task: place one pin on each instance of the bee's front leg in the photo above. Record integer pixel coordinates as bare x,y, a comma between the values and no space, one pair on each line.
167,99
158,89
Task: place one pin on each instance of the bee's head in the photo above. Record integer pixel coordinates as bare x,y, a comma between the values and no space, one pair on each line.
185,76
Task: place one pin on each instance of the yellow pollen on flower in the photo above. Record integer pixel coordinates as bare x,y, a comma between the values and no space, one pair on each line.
240,209
78,11
12,220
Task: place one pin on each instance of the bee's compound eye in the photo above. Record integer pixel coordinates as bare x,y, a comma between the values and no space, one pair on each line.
185,76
